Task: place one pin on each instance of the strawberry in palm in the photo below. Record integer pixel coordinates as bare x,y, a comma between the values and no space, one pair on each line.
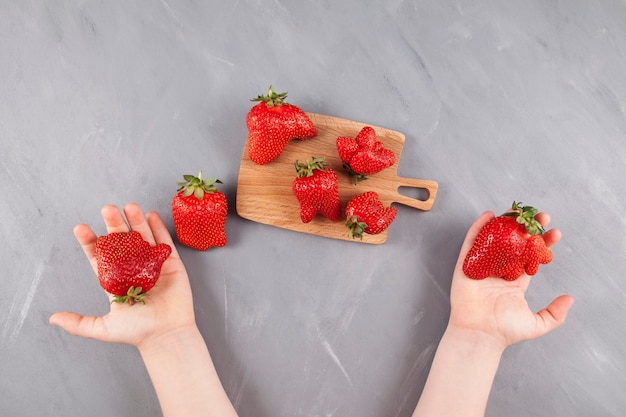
507,246
199,211
364,155
317,189
272,123
128,267
366,214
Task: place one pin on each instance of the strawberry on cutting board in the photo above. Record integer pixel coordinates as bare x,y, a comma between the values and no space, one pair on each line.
507,246
272,123
128,267
317,189
199,210
364,155
365,213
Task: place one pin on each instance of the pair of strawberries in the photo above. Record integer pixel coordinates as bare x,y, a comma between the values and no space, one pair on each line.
317,189
128,267
272,123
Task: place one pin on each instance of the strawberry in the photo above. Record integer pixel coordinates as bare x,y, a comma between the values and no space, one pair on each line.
507,246
317,189
366,214
128,267
199,211
272,123
364,155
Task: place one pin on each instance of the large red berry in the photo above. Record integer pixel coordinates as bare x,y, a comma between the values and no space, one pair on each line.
317,189
507,246
272,123
364,155
367,214
128,267
199,211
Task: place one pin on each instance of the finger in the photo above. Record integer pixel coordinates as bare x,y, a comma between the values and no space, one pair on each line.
138,223
77,325
87,240
159,230
543,218
552,237
553,315
113,219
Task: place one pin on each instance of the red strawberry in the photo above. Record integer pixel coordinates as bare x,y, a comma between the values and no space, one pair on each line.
317,189
367,214
507,246
272,124
364,155
199,211
128,267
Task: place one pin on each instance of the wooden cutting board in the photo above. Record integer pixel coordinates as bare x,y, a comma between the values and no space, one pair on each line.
264,191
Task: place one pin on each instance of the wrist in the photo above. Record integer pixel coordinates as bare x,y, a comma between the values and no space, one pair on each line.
474,341
172,339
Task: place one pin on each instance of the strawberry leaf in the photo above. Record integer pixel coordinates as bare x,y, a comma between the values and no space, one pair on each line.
197,186
272,98
525,216
355,227
306,169
133,295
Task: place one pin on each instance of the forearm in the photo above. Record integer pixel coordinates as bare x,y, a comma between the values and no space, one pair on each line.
460,377
184,377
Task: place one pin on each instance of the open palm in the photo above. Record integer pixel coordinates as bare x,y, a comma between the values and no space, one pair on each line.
169,305
497,307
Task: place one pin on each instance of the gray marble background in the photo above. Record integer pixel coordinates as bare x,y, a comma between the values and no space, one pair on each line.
111,102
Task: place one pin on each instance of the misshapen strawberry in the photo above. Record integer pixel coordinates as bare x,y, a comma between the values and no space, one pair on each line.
364,155
200,210
366,214
272,123
317,189
507,246
128,267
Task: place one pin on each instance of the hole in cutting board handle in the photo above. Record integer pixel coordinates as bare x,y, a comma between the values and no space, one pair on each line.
421,194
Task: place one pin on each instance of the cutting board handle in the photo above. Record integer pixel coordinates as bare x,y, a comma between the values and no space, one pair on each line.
431,188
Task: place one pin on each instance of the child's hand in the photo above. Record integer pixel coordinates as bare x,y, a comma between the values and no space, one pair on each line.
169,305
495,309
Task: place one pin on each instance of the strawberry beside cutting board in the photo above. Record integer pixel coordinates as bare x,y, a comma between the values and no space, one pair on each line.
200,210
272,123
128,267
508,245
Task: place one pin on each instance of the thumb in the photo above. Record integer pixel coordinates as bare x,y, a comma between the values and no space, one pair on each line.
77,325
553,315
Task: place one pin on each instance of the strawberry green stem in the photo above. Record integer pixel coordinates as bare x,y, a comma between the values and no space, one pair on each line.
355,175
525,215
272,98
197,186
306,169
133,295
355,227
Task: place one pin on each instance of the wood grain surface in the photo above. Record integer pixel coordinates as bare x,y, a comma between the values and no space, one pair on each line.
264,192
